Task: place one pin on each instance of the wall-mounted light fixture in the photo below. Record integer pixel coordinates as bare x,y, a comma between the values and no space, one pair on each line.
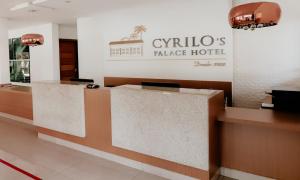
254,15
32,39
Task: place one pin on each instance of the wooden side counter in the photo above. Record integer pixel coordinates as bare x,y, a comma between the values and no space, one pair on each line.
261,142
16,101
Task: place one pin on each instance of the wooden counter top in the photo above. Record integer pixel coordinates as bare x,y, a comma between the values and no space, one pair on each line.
54,82
266,118
17,89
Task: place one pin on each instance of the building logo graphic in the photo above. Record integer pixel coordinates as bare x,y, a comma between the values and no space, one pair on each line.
132,46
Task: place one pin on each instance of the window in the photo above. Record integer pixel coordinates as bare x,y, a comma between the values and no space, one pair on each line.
19,61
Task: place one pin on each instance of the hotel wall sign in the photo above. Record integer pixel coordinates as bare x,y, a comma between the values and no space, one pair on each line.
197,48
132,46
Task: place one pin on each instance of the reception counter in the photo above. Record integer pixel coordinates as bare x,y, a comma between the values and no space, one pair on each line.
181,144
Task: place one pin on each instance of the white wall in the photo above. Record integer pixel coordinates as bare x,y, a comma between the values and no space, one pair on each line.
44,60
4,52
267,57
263,58
67,31
166,19
90,54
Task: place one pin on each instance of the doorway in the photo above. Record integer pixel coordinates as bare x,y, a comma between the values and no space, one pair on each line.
68,50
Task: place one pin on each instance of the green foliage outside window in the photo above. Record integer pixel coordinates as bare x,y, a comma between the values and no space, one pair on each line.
19,61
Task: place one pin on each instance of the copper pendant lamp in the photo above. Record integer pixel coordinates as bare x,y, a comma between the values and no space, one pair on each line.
255,15
32,39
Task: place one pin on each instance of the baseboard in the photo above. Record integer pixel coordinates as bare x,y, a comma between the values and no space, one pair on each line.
121,160
16,118
235,174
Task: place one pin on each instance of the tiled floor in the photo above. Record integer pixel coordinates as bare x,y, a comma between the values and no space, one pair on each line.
20,146
8,173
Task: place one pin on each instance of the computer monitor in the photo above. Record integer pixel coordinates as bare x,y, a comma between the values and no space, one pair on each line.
82,80
163,86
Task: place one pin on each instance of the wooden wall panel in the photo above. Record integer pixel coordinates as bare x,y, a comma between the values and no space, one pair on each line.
216,107
260,150
16,102
218,85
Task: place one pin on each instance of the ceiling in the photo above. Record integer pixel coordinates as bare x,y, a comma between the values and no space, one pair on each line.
63,12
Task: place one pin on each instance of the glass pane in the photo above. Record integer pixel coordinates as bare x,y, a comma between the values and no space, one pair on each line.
20,71
19,61
17,50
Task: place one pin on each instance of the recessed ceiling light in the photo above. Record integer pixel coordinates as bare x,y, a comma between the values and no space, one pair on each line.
35,3
38,1
20,6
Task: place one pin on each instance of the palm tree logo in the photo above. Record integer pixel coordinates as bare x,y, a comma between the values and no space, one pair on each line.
134,44
140,30
137,33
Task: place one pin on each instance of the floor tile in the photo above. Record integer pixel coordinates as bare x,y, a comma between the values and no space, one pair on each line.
20,146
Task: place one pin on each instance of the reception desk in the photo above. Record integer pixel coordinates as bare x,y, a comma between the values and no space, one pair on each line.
186,132
103,130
